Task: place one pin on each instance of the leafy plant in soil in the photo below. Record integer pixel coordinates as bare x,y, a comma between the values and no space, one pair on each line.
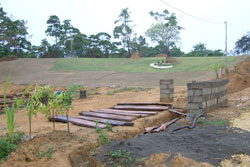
119,158
32,106
6,146
47,154
10,111
103,137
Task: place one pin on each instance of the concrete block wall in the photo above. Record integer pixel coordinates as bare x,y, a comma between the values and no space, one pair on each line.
166,90
203,96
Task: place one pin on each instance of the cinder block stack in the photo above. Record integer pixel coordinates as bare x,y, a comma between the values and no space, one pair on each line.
166,90
203,96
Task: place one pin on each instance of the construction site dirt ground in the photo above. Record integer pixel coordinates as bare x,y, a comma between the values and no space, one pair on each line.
82,148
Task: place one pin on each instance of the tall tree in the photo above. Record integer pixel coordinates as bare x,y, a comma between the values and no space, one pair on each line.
124,31
67,37
243,44
166,31
54,28
13,35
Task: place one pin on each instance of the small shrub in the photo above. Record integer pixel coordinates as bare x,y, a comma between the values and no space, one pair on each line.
6,146
218,68
103,138
119,158
47,154
109,127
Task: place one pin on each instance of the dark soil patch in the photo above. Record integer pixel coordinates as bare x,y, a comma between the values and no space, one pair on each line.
210,144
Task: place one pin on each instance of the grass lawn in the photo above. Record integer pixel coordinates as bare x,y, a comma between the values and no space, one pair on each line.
184,64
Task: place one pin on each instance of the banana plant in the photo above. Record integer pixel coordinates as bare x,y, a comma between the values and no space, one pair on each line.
10,111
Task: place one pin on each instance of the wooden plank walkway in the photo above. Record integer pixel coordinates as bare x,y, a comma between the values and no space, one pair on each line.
120,113
103,120
108,116
77,121
145,108
131,111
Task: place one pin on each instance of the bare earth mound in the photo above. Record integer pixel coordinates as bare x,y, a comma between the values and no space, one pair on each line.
135,55
239,78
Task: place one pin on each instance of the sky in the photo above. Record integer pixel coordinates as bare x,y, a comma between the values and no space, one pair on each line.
94,16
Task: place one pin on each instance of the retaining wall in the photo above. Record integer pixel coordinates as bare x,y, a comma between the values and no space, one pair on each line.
203,96
166,90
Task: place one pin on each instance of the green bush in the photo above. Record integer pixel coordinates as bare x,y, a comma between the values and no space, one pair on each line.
6,147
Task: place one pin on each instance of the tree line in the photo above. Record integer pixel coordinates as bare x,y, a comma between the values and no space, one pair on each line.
69,41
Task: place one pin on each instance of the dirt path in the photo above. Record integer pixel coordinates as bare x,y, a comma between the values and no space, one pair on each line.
32,71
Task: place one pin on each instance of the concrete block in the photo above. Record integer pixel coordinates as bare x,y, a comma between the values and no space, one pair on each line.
222,99
211,102
166,81
206,91
195,92
167,100
193,113
166,91
163,86
166,95
194,105
195,99
171,86
219,82
204,104
214,95
195,85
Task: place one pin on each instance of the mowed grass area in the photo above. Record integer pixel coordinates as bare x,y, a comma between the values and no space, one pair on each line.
184,64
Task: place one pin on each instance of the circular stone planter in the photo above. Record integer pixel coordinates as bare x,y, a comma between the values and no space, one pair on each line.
160,67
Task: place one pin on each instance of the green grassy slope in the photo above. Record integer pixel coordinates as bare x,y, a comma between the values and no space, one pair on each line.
184,64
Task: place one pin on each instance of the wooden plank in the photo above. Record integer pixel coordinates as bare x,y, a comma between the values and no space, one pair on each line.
131,111
7,101
77,121
119,113
145,108
8,96
2,106
177,112
102,120
162,127
160,104
109,116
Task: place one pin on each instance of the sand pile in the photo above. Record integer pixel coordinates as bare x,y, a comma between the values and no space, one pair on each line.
135,55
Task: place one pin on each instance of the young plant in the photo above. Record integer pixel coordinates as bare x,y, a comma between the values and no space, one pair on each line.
10,112
218,68
66,104
119,158
54,105
33,105
103,138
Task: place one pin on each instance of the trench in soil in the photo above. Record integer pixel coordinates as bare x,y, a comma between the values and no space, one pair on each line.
84,154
